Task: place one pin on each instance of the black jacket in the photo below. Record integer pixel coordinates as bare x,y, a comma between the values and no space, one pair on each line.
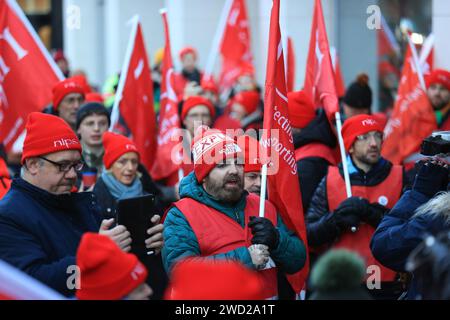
108,204
157,278
312,170
321,227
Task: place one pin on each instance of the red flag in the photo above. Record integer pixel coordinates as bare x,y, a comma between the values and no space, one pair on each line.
25,67
338,78
319,78
290,65
283,186
387,44
235,48
169,121
413,118
135,98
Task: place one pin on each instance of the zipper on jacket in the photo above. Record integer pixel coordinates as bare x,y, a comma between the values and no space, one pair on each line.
236,213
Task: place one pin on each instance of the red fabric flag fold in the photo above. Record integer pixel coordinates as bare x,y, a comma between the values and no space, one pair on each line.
25,67
319,78
169,120
413,118
283,185
136,98
235,49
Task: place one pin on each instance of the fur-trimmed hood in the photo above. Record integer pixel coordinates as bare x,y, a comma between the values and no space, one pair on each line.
439,206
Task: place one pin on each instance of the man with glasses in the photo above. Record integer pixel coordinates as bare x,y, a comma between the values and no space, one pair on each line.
41,220
336,221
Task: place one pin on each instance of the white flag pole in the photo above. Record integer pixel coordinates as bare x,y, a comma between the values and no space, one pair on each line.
262,196
213,53
123,75
417,64
348,186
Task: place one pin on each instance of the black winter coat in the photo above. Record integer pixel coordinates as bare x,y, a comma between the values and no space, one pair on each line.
321,228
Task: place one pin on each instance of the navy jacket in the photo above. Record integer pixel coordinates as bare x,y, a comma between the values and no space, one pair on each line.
40,232
399,233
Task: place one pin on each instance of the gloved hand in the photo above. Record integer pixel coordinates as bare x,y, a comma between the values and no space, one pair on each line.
375,214
345,221
259,254
354,205
431,178
264,232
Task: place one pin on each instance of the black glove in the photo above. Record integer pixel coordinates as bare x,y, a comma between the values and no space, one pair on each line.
264,232
354,205
346,221
350,212
431,178
375,214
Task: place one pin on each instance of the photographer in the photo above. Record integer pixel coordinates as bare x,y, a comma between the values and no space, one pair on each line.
419,212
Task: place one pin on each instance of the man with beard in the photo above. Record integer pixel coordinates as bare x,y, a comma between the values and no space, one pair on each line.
335,221
216,219
438,92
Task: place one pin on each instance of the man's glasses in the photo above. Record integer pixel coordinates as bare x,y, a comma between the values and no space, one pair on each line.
66,166
378,136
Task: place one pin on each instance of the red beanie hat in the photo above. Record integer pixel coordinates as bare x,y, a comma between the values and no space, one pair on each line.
187,50
94,97
65,87
248,99
251,147
195,101
193,279
115,146
82,80
209,148
47,134
358,125
439,76
106,272
301,109
209,85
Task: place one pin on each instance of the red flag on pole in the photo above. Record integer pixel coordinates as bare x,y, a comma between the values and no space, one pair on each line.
25,67
290,65
319,78
134,97
283,186
169,121
338,78
235,47
413,118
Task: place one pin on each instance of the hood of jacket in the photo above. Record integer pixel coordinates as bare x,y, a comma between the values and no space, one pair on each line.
437,207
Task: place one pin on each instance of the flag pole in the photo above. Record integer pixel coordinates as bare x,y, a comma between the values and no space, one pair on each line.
348,186
115,113
217,38
416,63
262,196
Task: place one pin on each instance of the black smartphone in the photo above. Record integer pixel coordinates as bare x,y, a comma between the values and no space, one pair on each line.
135,214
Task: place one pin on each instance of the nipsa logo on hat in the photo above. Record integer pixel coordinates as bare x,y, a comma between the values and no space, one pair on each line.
130,147
368,122
64,143
71,85
137,271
